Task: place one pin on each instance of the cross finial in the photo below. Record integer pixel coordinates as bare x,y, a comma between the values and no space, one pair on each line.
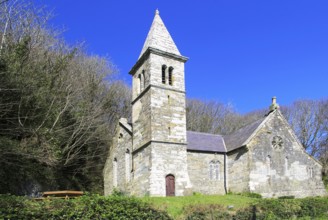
157,12
274,104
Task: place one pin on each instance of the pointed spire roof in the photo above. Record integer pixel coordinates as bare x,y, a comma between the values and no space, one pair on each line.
159,38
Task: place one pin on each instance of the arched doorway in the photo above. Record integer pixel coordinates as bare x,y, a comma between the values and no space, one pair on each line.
170,185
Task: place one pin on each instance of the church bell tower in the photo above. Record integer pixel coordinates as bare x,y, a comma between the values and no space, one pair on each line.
159,116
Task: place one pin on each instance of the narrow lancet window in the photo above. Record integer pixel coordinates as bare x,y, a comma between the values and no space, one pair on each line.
171,75
268,164
115,172
127,165
142,81
138,85
163,74
286,165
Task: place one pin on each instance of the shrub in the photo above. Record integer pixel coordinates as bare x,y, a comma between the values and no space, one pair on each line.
244,214
284,209
292,208
204,212
314,207
85,207
286,197
251,195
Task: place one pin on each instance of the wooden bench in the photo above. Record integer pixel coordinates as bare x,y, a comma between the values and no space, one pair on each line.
65,194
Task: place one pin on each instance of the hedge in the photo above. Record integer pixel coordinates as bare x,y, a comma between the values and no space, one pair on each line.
85,207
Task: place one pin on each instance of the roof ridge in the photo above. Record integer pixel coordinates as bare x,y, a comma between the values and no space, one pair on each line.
220,135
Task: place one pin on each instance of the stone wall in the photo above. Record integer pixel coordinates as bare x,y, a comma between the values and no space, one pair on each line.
141,172
141,108
118,167
199,173
169,159
238,170
279,166
168,116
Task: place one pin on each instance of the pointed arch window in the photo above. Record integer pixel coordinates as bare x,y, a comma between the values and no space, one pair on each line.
127,165
144,79
286,165
115,172
164,74
214,170
138,84
268,164
171,75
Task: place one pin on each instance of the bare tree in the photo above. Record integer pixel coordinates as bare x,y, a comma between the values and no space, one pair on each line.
307,118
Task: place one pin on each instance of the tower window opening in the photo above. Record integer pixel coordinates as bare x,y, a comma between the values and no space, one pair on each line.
171,75
163,74
169,128
144,78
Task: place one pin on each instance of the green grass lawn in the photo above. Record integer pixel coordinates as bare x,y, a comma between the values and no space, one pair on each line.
175,205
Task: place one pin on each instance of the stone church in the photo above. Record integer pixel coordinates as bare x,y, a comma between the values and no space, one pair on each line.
154,154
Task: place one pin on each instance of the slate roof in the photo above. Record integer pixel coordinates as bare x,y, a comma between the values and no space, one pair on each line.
159,38
205,142
239,137
217,143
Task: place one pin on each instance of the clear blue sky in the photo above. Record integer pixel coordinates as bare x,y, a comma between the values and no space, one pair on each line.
241,51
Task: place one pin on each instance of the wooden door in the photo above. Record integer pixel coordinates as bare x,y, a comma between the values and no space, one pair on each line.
170,185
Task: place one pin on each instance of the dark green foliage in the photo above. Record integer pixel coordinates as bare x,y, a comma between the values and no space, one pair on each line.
245,214
57,112
273,209
251,195
286,197
292,208
85,207
199,212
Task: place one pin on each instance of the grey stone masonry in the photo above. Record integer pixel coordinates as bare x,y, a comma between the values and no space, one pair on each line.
159,115
274,163
118,167
156,156
279,165
206,172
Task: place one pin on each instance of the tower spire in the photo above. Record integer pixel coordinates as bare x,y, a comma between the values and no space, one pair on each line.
159,38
